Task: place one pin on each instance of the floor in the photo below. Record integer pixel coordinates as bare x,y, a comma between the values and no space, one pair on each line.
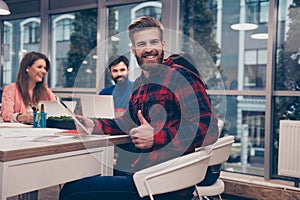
51,193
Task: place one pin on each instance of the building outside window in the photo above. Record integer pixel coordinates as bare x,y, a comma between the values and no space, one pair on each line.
73,37
20,36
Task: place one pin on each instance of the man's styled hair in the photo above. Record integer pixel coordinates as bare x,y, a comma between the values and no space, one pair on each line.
117,59
142,23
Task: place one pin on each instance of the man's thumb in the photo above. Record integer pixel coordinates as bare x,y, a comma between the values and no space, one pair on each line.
141,118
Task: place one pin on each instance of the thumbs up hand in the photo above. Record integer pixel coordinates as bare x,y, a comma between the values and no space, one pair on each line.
143,135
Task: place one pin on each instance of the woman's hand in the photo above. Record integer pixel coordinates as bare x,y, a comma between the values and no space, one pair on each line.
25,118
88,123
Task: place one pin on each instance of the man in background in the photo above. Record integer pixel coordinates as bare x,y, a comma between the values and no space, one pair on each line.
118,69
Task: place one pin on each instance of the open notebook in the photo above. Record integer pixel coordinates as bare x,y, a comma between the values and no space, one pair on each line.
98,106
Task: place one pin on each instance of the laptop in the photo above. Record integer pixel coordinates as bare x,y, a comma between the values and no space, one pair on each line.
97,106
62,108
54,109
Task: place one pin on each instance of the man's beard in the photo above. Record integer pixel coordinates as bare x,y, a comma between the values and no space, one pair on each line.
150,66
120,81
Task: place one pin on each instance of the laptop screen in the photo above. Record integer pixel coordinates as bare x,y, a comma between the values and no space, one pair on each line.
97,106
53,109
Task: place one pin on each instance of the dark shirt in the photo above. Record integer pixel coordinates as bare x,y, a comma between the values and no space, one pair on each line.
174,101
120,92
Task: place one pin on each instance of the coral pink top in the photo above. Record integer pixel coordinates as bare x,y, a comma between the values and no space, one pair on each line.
12,102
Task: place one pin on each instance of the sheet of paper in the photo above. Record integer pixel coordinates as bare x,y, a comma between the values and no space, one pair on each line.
47,138
34,134
27,132
14,125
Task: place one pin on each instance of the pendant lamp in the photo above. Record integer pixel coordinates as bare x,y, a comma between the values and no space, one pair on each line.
4,10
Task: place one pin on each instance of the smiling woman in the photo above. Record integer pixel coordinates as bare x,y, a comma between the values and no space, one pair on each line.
29,89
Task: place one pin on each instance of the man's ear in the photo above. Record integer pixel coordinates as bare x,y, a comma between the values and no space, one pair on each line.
132,49
163,43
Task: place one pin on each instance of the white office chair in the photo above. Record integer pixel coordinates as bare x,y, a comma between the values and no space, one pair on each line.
220,153
172,175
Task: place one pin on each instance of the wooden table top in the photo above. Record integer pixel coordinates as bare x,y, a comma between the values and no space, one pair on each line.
21,143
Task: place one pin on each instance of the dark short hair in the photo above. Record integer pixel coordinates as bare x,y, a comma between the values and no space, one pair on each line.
113,60
142,23
185,60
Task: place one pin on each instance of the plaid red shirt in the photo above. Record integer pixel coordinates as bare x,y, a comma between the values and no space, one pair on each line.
174,101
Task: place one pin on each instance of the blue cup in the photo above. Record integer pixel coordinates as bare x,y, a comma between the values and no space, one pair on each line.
39,120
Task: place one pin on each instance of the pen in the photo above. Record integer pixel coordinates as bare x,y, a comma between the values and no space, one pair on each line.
37,113
42,108
32,107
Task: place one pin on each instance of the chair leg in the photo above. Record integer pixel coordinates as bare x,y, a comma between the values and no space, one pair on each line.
151,197
207,198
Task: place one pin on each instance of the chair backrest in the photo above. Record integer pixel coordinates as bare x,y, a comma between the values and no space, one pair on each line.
221,150
98,106
172,175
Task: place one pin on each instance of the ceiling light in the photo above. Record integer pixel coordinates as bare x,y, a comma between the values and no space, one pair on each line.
244,26
260,36
4,10
114,38
70,69
88,71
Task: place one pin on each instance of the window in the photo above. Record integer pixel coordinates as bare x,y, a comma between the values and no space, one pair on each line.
241,60
287,72
152,9
20,36
32,33
241,63
73,38
255,69
7,45
118,42
257,11
64,28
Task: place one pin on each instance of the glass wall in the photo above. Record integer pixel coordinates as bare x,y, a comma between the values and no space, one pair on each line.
253,82
241,58
118,42
19,37
287,70
73,38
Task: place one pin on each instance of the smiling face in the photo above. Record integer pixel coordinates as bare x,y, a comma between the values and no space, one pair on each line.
119,72
148,48
37,71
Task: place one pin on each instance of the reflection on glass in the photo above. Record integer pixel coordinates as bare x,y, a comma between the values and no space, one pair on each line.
245,119
288,62
285,108
118,42
73,37
19,37
241,59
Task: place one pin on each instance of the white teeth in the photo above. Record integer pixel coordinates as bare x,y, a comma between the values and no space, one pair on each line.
150,56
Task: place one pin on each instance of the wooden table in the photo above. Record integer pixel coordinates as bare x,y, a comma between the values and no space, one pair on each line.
28,163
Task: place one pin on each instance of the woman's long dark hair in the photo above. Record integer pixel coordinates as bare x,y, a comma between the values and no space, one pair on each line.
40,89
